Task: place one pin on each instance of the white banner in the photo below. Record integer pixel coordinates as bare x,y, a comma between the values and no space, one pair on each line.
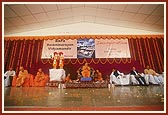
112,48
67,47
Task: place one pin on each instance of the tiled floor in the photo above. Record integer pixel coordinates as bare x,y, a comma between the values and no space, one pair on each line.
52,97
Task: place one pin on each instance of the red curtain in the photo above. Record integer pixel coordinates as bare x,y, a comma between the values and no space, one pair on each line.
27,53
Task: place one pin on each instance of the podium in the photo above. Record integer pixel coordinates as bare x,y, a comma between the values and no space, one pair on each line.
57,74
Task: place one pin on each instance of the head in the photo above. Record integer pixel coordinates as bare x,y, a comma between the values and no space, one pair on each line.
133,68
60,53
78,71
147,67
86,64
10,69
21,68
39,70
113,69
55,53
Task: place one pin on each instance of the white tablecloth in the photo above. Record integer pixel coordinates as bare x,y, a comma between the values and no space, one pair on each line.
57,74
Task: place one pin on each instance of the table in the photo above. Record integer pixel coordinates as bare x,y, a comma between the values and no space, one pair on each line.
57,74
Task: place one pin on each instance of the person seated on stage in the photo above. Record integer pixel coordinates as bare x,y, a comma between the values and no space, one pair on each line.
135,75
98,76
86,71
21,77
68,78
118,78
92,73
107,79
152,77
9,77
78,75
40,78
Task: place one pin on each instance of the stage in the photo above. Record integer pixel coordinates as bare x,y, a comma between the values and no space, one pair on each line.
86,84
118,98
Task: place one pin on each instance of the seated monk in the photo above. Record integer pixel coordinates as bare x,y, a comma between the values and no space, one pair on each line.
98,76
23,74
40,78
86,71
68,79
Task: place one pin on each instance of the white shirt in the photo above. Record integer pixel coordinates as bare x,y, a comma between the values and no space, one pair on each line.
117,72
135,72
10,73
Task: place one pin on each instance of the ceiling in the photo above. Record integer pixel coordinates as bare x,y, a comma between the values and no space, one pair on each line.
20,18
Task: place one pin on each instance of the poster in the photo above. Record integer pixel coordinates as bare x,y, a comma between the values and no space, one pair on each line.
85,48
112,48
67,47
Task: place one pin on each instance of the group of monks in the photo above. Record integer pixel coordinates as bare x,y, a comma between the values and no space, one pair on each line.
41,78
26,79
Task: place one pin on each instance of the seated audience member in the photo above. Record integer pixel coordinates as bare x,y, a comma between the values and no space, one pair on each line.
118,78
98,76
86,71
21,77
68,79
135,74
152,77
41,78
9,77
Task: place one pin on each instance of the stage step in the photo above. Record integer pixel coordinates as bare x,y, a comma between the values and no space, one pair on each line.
80,85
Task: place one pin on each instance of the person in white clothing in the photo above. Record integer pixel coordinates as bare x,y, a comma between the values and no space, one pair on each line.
136,76
9,77
152,77
118,78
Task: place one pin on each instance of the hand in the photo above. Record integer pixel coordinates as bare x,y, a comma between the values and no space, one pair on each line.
124,76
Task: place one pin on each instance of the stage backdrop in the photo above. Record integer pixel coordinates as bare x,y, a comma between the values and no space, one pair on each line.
112,48
87,48
27,52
